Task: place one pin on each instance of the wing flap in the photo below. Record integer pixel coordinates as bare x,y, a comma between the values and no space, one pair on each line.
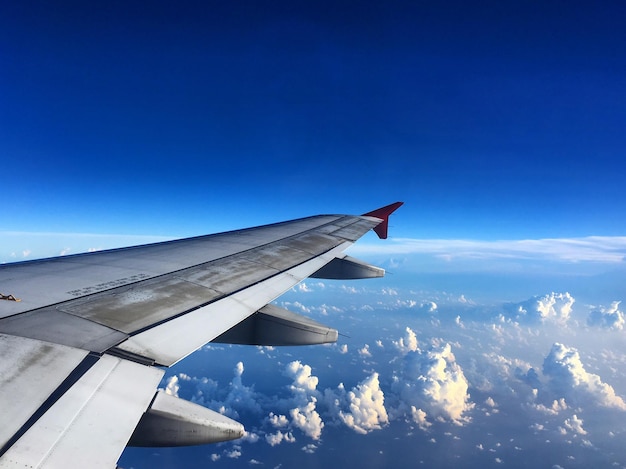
90,423
173,340
30,371
78,275
58,327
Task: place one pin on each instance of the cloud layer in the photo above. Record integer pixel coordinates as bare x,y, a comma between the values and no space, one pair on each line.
606,249
569,379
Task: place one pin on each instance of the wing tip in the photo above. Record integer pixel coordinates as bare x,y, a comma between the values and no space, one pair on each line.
383,213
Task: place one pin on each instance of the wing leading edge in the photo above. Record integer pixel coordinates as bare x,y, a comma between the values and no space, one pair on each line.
83,350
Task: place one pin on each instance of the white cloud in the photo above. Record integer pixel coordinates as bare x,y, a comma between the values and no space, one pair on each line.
303,287
408,343
277,438
229,401
568,377
365,351
278,421
309,449
308,420
303,380
366,406
233,454
304,415
250,437
611,317
608,249
557,406
553,306
575,425
419,417
172,387
432,380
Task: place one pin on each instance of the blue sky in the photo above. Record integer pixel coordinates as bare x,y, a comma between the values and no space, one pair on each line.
501,127
503,121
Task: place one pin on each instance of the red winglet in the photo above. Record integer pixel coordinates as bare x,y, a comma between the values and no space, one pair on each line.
383,213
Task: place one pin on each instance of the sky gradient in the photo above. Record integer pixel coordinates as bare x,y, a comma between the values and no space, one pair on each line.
497,335
172,119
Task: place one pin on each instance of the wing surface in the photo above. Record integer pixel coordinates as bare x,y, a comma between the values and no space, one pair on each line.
80,346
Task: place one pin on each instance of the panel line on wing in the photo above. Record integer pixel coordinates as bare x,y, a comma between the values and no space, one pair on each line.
82,368
230,293
137,308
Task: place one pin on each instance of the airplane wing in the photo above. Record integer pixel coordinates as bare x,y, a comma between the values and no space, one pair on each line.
84,339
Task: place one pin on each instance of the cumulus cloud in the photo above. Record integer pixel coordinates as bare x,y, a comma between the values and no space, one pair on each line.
553,306
234,453
431,380
229,401
408,343
610,318
303,287
307,419
365,351
568,377
278,421
277,438
575,425
557,406
303,412
419,417
303,380
172,387
366,407
309,449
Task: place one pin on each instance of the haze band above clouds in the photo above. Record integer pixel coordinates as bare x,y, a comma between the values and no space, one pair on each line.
597,249
602,249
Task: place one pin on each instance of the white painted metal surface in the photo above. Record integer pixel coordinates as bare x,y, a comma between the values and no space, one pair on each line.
172,421
91,423
49,281
30,370
174,340
171,297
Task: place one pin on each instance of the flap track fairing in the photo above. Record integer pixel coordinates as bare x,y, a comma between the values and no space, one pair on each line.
272,325
348,268
171,421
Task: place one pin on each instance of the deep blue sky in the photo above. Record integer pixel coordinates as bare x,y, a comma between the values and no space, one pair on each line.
504,120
